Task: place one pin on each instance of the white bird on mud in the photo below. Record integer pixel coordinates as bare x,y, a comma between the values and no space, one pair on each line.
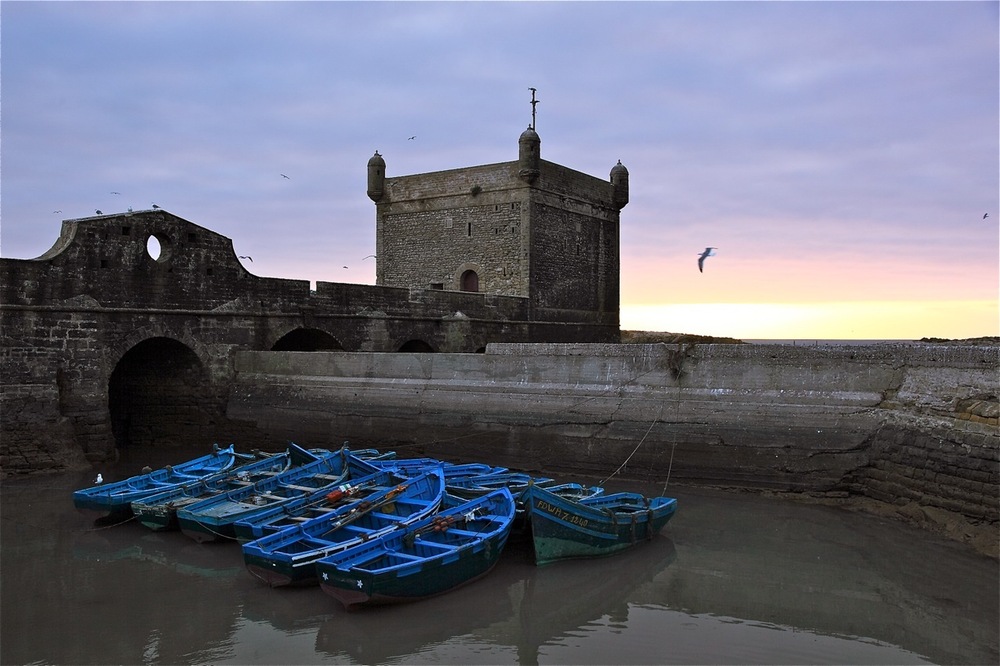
709,251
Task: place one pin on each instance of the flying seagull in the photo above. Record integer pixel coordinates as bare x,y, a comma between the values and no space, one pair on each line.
985,215
57,211
412,137
244,256
285,177
116,193
709,251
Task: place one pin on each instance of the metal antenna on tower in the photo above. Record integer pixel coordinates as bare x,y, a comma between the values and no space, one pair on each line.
533,103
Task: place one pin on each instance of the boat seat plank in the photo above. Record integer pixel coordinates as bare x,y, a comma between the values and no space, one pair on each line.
307,489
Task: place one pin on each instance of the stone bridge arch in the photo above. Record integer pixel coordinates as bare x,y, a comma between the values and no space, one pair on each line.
160,394
416,345
307,339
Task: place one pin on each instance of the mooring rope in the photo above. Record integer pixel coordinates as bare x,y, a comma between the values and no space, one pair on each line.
637,446
115,524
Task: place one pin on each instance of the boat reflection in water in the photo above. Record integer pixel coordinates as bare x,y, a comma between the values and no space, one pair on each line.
515,610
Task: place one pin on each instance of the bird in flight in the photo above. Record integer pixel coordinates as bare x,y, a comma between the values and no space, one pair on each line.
285,177
412,137
116,193
985,215
57,211
245,256
709,251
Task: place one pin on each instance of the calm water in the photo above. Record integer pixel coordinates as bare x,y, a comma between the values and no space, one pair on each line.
731,580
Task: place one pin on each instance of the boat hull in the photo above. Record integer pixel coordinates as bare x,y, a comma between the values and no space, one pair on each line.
214,518
562,528
434,556
159,512
113,501
289,557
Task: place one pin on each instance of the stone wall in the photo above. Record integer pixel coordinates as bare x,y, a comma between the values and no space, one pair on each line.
71,319
894,422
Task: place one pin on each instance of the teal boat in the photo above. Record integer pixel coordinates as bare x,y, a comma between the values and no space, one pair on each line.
565,528
435,555
113,501
289,557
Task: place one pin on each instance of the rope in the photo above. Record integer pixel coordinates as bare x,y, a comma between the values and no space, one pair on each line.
108,527
622,466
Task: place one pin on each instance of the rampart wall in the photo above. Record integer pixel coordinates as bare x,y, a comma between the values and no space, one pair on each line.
899,423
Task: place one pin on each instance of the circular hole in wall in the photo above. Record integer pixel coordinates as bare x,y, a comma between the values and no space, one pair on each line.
158,247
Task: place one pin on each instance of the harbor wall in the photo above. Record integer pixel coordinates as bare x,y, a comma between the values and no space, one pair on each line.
900,423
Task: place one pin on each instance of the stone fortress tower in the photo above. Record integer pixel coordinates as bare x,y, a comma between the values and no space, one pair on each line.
528,228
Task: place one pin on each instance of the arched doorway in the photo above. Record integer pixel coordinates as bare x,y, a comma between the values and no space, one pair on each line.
159,395
307,339
470,281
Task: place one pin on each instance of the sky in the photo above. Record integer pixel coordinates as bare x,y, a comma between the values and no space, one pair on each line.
840,155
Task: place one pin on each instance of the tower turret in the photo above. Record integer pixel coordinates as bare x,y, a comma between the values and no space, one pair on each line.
619,185
376,177
529,155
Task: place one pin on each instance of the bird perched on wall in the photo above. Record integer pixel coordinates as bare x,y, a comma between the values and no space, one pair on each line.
99,480
709,251
98,211
155,207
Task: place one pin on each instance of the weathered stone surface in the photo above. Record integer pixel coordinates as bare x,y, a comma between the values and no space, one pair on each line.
873,420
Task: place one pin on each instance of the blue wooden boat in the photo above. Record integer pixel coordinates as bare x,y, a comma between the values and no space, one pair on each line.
213,518
356,487
475,486
288,557
564,528
114,500
432,556
159,512
414,466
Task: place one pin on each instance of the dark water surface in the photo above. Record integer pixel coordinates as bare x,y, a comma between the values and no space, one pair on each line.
732,579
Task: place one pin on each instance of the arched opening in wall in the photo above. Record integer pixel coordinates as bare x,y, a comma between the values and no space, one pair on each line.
159,395
307,339
470,281
418,346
